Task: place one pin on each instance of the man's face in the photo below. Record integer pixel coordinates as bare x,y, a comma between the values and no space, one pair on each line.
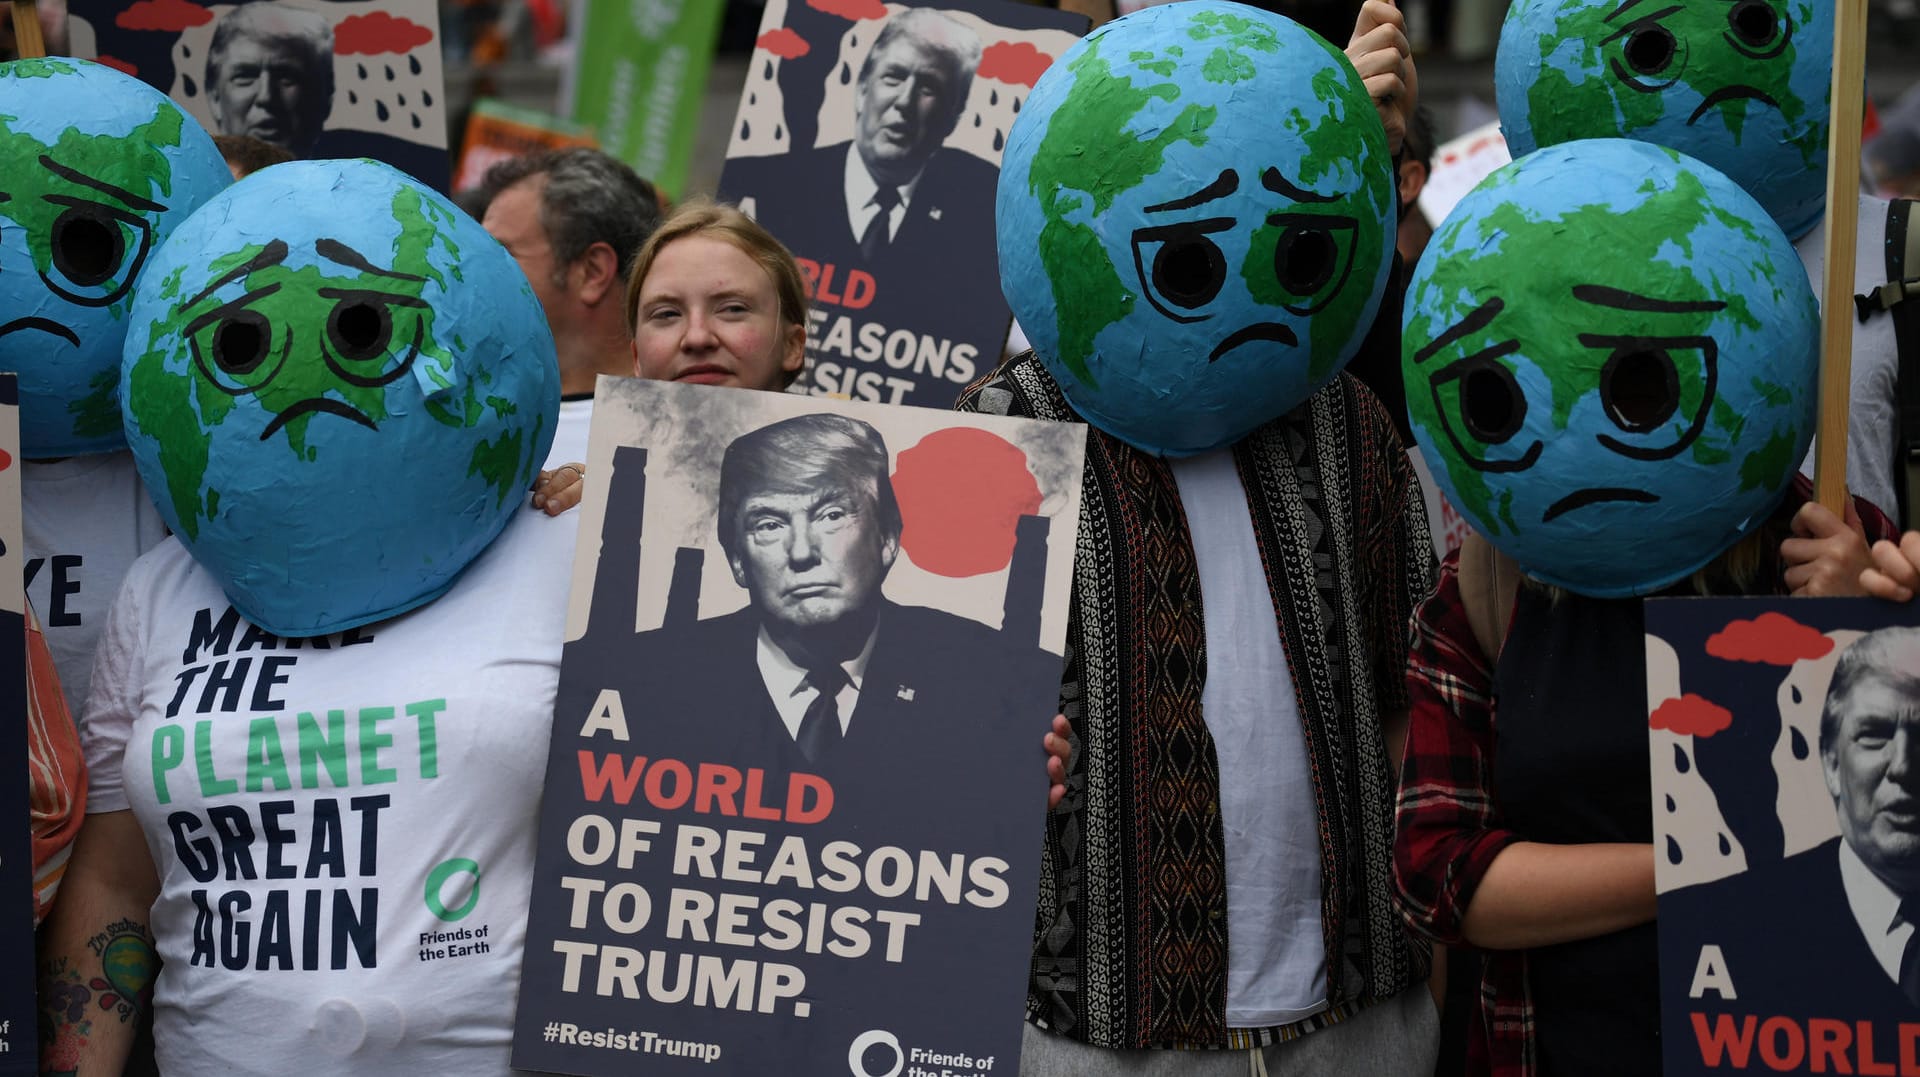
905,110
264,90
809,559
513,218
1873,771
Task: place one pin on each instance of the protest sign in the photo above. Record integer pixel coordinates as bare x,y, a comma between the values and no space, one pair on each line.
1785,738
18,1054
318,78
794,798
1458,167
497,131
888,203
640,78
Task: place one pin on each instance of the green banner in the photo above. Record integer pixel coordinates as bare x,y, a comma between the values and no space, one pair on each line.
639,78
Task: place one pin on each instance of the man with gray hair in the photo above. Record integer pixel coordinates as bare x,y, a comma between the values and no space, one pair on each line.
270,75
574,219
903,190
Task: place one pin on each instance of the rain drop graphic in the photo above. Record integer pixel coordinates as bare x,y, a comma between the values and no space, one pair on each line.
746,129
416,120
413,64
1680,763
1673,850
993,98
186,83
753,99
1797,744
999,143
380,110
185,51
779,132
1797,697
769,69
363,69
1726,847
1016,104
352,98
976,119
846,73
426,98
401,100
389,72
1671,806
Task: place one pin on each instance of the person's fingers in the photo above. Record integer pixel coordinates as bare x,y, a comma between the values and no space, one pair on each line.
1852,519
1880,585
1801,551
1384,89
1816,520
1384,52
1894,564
1375,13
1799,576
1910,548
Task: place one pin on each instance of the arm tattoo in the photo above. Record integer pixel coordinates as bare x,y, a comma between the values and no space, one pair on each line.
71,1000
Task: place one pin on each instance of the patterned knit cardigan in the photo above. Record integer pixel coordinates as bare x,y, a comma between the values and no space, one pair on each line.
1130,946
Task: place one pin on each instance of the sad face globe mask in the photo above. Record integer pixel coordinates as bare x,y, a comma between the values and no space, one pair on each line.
1195,213
1741,85
96,168
1610,356
337,387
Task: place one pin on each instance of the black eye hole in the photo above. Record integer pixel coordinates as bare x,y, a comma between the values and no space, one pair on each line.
1640,389
359,330
1304,259
1649,49
1189,271
1491,403
240,342
1179,268
1754,22
88,246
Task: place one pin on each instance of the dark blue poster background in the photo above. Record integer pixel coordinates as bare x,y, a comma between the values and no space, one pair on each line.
1769,968
18,1054
918,318
706,899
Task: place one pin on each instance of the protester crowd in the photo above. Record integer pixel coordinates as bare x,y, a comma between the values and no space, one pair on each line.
1319,802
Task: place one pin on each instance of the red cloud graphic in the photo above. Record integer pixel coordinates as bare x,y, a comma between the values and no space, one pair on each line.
1691,716
378,32
119,65
1016,62
1772,638
170,15
784,43
851,9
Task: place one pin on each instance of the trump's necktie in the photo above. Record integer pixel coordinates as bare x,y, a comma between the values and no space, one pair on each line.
879,231
1910,957
820,725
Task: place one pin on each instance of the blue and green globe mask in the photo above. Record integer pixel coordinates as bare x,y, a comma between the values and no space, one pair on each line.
338,387
1742,85
1610,355
1196,219
96,168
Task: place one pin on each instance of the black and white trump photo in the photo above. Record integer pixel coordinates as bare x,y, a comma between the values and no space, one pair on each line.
868,140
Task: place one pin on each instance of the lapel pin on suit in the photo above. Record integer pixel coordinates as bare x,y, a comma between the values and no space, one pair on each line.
904,694
934,212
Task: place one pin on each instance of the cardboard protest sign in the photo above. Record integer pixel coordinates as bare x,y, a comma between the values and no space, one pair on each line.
1458,167
640,79
497,131
1785,735
868,140
319,78
18,1048
793,799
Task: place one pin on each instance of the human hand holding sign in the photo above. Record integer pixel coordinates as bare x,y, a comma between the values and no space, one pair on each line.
1381,55
1826,555
560,489
1894,571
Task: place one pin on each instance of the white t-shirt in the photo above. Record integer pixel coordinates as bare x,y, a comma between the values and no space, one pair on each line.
1871,409
570,434
1276,952
343,827
84,520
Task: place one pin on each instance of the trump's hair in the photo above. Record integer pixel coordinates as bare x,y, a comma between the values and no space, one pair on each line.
1889,654
806,454
953,45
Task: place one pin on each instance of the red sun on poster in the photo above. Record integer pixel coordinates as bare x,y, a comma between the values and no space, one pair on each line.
962,493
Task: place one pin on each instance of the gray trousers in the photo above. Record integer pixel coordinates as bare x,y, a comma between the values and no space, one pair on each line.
1396,1038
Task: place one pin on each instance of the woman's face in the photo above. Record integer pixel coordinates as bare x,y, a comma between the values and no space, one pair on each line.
708,313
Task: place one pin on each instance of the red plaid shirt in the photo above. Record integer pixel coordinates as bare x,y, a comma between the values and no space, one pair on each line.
1448,818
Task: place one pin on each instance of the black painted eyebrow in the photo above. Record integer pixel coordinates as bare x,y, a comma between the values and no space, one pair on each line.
271,255
1273,181
1625,6
1227,183
1475,321
1619,299
125,196
335,251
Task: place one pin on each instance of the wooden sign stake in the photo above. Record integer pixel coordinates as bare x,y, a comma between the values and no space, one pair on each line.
26,29
1843,218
